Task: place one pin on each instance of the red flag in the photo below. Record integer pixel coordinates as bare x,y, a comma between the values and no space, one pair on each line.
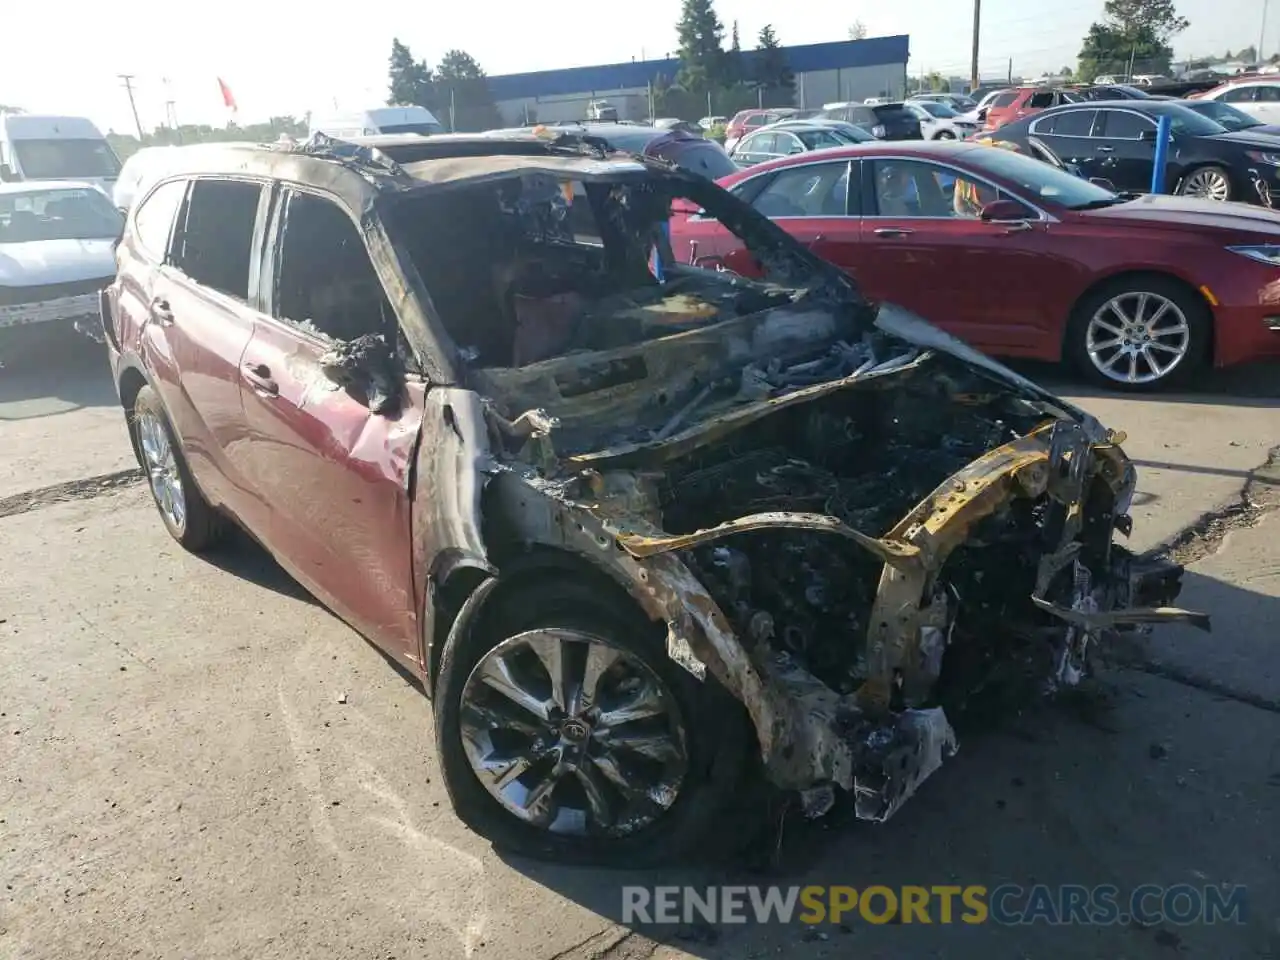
227,98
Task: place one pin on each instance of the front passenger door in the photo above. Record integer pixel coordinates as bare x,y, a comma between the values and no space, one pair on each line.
333,471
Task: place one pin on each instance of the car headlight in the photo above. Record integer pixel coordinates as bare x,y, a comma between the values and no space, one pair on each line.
1264,156
1268,253
878,130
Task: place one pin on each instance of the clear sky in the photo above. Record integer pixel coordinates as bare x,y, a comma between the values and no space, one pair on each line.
286,58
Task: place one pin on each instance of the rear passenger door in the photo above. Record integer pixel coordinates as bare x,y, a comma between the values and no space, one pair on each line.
334,471
202,313
1125,158
1068,133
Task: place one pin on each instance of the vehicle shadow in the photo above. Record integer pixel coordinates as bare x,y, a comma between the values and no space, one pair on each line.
1252,385
45,376
241,556
1131,779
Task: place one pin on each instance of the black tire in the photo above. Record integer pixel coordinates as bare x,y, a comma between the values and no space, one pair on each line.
944,135
1213,168
1199,322
716,727
201,525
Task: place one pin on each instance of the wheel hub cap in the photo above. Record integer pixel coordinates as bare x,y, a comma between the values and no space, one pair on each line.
162,468
572,734
1137,338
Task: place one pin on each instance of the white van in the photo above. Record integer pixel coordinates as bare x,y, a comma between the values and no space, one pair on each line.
368,123
39,147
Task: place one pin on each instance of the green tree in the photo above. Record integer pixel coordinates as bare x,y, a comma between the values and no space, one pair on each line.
1248,54
774,78
463,91
409,80
1132,32
701,39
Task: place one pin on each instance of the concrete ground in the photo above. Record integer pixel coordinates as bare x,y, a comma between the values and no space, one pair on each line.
198,761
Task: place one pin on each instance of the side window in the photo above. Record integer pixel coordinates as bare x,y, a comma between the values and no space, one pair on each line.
1268,94
764,143
810,190
1039,101
1004,99
861,115
216,242
1070,123
325,279
1122,125
1240,95
915,188
786,143
153,221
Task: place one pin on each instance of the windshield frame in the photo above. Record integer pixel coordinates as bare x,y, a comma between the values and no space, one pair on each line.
112,222
1206,108
1017,172
1182,119
97,147
937,109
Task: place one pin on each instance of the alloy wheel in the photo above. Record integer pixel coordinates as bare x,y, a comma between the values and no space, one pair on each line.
572,734
1137,337
162,468
1207,184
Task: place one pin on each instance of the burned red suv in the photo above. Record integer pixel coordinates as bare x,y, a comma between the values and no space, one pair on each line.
626,519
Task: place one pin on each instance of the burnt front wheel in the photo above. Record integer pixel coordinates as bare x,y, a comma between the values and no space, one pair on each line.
565,732
185,512
1140,333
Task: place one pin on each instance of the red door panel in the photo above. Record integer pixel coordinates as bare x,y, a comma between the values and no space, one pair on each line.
990,284
334,476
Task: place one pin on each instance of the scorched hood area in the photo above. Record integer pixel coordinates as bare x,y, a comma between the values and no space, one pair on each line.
851,521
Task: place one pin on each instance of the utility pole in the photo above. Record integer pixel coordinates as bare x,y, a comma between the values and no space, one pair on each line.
1262,33
1011,71
128,86
974,79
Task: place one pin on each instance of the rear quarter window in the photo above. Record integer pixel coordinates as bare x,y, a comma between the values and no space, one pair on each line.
153,220
1004,100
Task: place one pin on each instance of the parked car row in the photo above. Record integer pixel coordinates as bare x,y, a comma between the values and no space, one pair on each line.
1136,292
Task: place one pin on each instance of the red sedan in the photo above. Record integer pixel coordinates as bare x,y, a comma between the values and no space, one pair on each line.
1022,259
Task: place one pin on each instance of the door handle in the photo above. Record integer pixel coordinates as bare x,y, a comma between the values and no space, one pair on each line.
259,377
161,311
1106,149
893,232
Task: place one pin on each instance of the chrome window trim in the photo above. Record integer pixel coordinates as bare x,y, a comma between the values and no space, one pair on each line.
1032,131
1043,216
848,162
1132,113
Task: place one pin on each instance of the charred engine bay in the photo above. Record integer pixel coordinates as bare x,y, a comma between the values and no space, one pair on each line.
865,457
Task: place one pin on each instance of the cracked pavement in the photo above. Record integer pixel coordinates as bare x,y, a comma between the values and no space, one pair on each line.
180,777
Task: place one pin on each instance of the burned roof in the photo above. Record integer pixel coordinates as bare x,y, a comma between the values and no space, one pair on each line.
475,169
358,170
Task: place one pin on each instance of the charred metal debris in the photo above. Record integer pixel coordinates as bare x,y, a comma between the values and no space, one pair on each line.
852,521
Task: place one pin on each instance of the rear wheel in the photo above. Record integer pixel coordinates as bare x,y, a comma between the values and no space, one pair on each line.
566,732
1209,183
185,512
944,135
1140,333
